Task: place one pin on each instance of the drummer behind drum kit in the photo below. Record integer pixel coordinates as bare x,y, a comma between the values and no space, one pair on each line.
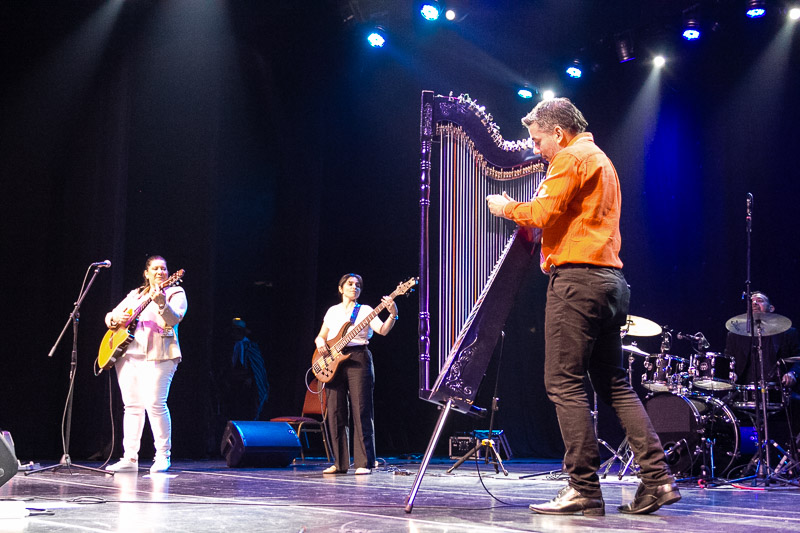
700,430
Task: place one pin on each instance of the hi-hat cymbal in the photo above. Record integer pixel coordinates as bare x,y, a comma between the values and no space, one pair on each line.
635,349
771,324
641,327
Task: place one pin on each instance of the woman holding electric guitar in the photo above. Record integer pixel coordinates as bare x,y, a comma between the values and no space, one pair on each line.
354,375
145,368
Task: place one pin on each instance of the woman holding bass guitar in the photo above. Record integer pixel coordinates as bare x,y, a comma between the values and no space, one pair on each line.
145,371
354,377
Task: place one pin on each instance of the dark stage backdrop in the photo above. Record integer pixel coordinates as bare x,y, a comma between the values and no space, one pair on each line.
262,148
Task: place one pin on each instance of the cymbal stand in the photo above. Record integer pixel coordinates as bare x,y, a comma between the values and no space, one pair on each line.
623,453
791,460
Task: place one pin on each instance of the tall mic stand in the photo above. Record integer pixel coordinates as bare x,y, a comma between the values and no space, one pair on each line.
762,456
66,420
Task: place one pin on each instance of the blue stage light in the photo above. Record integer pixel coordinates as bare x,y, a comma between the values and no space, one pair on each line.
755,9
691,35
525,93
376,39
691,27
430,11
574,71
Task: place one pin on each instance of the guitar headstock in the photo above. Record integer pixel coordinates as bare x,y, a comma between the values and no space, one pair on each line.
406,286
174,279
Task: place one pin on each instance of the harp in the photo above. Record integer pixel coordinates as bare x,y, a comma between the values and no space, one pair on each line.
479,260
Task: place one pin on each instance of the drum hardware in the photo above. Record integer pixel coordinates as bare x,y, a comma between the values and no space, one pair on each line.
623,453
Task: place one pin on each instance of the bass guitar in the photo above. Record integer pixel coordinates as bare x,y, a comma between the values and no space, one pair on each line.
324,366
116,340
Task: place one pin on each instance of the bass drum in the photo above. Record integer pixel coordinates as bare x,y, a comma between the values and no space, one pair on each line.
682,422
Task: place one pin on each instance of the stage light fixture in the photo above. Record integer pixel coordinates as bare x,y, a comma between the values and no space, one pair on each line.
755,9
430,10
691,29
525,93
794,13
575,70
623,43
377,37
450,14
548,95
659,61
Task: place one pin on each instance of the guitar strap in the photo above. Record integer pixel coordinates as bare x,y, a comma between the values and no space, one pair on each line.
355,313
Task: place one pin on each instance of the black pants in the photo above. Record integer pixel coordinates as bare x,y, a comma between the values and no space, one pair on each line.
352,385
586,306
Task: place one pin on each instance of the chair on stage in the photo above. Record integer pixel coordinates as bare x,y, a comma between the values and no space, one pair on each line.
311,420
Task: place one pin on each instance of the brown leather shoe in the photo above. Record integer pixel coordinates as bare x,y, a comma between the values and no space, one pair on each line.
650,499
570,501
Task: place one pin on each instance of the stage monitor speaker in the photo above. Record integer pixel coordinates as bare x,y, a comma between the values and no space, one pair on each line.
271,444
8,460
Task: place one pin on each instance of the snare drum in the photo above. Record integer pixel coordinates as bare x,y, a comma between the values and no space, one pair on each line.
664,372
745,397
713,371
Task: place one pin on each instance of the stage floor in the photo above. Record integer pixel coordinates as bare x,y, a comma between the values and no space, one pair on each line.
198,496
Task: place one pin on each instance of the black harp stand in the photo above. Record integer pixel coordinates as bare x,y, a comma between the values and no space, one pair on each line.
487,444
426,458
66,420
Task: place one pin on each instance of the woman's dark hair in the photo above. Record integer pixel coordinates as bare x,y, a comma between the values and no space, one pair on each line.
344,279
146,284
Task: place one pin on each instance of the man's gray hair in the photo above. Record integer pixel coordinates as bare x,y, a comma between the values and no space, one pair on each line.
556,112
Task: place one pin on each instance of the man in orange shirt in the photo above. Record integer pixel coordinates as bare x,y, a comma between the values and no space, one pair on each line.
577,207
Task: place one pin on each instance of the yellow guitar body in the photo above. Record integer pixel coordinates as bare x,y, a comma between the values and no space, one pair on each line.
113,346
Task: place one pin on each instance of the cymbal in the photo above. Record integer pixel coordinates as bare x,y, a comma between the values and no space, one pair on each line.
635,349
771,324
641,327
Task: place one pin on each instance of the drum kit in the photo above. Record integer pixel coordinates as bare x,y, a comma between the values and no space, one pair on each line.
707,423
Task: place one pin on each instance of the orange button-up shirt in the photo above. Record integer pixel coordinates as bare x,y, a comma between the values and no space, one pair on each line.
577,206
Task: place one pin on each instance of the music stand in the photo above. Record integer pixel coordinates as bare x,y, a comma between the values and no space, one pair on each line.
66,420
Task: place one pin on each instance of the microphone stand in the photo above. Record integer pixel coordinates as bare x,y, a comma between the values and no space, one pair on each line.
762,457
66,421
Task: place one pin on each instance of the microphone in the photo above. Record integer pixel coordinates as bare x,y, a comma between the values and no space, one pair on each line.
697,337
102,264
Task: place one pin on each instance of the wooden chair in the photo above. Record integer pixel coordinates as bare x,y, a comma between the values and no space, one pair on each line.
311,419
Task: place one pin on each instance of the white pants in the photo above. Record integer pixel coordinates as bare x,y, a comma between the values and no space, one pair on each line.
145,387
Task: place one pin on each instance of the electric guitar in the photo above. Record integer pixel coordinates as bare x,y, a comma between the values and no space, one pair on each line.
116,340
324,366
